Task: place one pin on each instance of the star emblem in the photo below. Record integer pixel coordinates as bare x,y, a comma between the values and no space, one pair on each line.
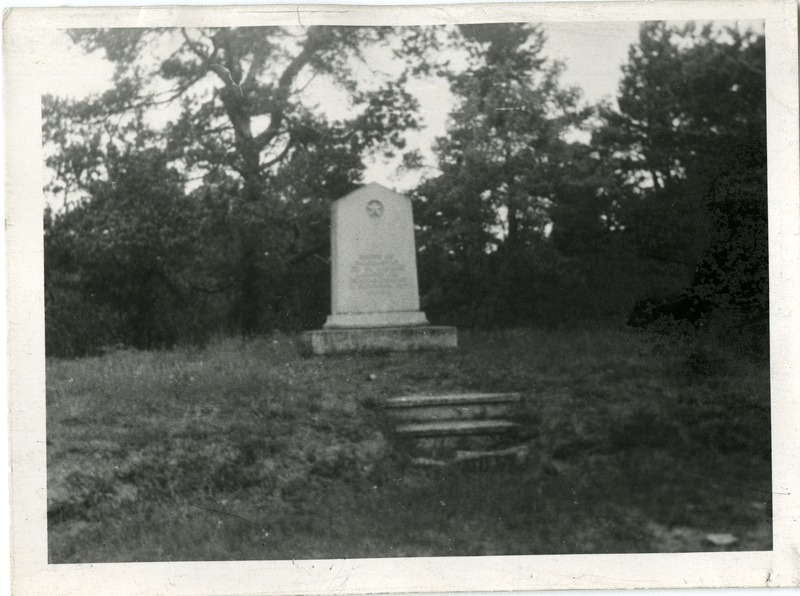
374,208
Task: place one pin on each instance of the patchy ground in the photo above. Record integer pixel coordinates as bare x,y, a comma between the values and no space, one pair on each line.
249,450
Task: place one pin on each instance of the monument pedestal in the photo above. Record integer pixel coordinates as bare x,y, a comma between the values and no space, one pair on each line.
374,292
408,318
380,339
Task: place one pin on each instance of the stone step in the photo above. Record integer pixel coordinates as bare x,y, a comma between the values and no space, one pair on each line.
451,399
486,458
516,453
465,406
452,428
448,445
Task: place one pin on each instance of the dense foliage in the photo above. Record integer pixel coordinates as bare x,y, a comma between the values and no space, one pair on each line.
542,208
253,167
507,177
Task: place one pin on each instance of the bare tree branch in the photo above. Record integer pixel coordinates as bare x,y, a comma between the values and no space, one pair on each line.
316,40
197,48
280,156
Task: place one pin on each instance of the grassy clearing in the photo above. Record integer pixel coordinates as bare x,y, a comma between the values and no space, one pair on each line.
248,450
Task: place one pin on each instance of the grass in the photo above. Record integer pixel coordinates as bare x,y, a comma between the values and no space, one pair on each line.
249,450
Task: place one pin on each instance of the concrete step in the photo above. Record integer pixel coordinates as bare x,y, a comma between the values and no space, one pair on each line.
516,454
464,406
447,446
451,399
452,428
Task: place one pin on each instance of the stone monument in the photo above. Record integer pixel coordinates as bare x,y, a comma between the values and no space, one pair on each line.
374,290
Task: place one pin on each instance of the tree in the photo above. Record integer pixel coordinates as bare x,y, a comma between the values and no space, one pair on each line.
124,267
505,164
732,278
246,123
688,141
690,98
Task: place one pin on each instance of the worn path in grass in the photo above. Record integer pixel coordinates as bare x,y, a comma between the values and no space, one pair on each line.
249,450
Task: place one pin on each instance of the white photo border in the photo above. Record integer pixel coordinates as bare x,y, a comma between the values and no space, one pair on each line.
31,574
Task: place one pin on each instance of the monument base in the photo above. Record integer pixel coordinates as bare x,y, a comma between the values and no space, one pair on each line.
380,339
402,318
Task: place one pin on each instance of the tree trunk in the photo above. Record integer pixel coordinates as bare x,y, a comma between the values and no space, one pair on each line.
249,303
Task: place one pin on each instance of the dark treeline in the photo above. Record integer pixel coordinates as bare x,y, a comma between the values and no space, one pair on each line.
541,209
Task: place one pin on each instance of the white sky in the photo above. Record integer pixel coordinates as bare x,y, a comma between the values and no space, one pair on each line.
593,53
